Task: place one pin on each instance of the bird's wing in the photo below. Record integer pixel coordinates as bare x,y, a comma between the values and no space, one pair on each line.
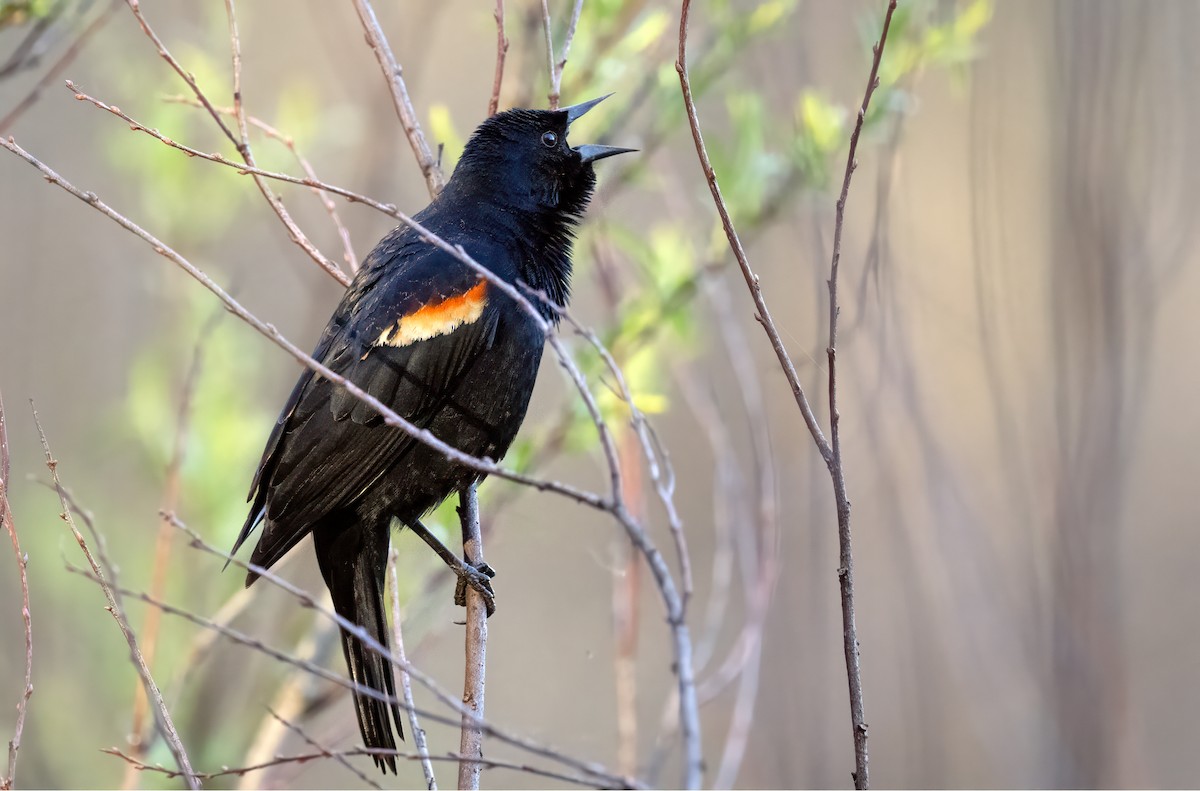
405,333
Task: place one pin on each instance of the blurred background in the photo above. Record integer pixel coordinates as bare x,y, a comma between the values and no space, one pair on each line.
1016,282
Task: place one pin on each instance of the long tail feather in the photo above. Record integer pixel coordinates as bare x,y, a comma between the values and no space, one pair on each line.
353,560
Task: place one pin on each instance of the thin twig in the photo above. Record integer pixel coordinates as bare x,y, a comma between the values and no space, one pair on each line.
831,453
552,95
394,75
557,65
67,58
487,763
414,722
293,697
475,670
184,74
163,541
243,146
846,557
307,600
14,744
105,574
501,54
325,751
598,773
735,243
289,143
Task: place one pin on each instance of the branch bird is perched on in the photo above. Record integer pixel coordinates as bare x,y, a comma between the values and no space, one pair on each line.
426,335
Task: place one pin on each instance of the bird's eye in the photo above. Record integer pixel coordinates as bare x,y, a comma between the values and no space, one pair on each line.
549,140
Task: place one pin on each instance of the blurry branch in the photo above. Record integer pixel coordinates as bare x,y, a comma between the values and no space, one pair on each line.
830,451
485,763
404,108
162,548
105,575
64,60
292,699
325,751
558,64
26,55
501,54
414,722
475,670
14,744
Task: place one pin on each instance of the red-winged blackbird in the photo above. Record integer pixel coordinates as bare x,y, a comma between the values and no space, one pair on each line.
422,332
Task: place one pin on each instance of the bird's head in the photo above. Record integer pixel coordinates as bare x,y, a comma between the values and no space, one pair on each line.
522,157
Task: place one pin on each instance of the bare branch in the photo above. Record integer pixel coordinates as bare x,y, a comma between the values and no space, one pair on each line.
6,517
846,557
557,65
184,74
830,452
162,548
404,108
501,54
735,243
105,574
475,670
372,644
486,763
67,58
414,722
325,751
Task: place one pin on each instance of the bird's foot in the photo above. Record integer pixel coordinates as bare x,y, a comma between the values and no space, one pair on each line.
479,578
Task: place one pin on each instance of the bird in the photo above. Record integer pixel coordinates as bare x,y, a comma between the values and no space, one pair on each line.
445,349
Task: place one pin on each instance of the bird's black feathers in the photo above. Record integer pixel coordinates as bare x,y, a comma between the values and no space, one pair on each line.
420,331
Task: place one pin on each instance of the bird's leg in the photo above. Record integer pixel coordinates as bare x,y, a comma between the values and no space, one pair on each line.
478,578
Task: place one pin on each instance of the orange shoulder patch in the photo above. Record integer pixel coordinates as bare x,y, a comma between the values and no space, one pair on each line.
436,318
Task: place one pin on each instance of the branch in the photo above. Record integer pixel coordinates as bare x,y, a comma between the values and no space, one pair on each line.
239,140
501,53
830,452
846,557
475,670
162,544
735,243
289,143
404,108
325,751
372,644
14,745
305,758
418,733
557,65
63,61
105,574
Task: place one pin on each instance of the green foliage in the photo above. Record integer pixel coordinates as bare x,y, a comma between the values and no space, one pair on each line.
14,13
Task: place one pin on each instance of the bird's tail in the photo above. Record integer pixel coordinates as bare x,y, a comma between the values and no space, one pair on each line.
353,560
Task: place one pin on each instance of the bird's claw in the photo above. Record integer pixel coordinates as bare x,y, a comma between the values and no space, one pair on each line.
479,578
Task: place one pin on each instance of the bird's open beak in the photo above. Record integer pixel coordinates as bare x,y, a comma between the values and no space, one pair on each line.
589,152
577,111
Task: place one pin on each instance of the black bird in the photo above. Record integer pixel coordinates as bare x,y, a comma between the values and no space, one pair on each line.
426,335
